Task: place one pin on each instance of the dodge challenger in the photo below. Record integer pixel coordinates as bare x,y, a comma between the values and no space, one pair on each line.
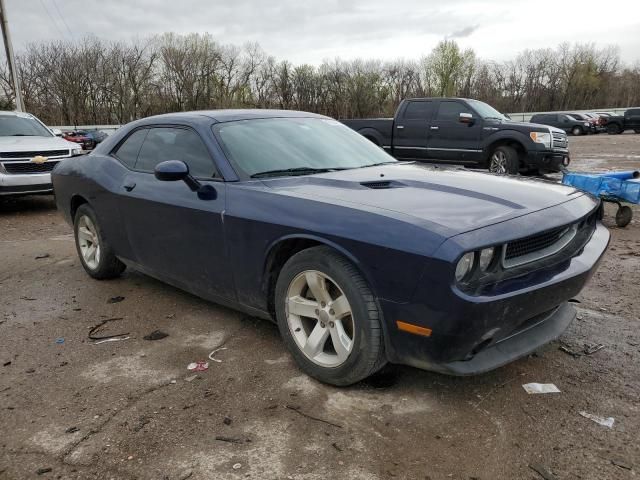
359,258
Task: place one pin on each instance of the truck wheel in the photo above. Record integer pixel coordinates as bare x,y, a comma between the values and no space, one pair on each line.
504,160
96,255
614,129
328,317
576,131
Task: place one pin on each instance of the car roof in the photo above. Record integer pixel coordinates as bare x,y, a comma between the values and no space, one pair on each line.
230,115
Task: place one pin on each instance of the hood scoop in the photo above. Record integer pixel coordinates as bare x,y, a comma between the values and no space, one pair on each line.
382,184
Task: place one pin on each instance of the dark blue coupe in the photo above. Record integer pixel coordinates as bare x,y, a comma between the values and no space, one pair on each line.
359,258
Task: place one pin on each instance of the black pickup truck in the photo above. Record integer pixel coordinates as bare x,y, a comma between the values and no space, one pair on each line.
467,132
619,123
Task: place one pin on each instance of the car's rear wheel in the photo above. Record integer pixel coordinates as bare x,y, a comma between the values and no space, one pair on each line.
613,129
504,160
328,317
96,255
576,131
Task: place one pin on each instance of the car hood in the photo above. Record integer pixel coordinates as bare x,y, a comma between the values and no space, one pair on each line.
531,126
26,144
449,201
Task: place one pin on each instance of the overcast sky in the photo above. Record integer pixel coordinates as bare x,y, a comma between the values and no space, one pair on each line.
312,30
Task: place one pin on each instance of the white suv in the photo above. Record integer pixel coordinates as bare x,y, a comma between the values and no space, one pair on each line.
28,152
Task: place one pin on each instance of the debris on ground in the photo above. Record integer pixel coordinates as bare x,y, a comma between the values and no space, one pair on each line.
72,430
620,462
97,327
237,466
214,352
605,422
117,299
228,439
42,471
117,339
156,335
540,388
227,421
587,349
296,409
6,364
41,256
591,349
60,340
190,378
199,366
543,471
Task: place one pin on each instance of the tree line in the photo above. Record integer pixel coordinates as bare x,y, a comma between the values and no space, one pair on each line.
94,81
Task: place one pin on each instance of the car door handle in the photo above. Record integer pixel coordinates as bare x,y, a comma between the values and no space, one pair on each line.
129,186
434,128
400,127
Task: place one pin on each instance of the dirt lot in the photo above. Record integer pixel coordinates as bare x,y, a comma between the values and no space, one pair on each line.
128,409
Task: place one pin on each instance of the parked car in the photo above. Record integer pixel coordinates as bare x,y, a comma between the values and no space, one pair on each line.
359,258
562,121
585,117
616,124
96,135
28,152
597,121
86,142
466,132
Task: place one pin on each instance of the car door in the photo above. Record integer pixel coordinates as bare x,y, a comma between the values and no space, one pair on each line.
632,119
411,130
565,122
450,139
175,233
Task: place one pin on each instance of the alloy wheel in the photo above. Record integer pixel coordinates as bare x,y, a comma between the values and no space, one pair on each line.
498,163
320,318
89,242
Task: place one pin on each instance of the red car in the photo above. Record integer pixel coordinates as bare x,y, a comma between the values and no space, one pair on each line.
87,143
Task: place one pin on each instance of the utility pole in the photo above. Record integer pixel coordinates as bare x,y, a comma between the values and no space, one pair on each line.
13,71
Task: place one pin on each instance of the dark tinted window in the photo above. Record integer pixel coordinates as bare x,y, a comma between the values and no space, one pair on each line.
451,111
418,111
127,152
183,144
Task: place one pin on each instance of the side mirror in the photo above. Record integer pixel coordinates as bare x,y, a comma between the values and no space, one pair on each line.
57,132
465,118
173,170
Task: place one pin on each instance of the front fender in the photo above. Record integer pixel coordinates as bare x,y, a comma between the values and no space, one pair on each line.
510,135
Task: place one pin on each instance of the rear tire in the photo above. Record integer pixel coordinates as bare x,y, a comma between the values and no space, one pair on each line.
614,129
624,216
576,131
504,160
312,321
96,255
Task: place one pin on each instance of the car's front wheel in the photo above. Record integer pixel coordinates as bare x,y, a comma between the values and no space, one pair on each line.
96,255
328,317
504,160
614,129
576,131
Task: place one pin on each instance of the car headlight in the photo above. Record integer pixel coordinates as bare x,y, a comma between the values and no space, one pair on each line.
76,151
541,137
465,265
486,258
586,124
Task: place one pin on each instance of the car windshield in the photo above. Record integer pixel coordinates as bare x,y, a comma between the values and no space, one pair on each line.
295,146
486,111
16,126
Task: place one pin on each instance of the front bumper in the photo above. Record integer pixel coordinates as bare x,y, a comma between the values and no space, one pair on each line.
474,334
548,160
25,184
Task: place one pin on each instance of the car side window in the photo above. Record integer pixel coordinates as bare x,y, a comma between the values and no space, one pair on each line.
418,111
128,150
171,143
450,111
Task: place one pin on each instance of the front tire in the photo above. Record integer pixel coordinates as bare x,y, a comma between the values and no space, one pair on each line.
328,317
504,160
96,255
576,131
614,129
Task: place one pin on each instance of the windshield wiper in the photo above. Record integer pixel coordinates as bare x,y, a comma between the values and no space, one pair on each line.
377,164
294,171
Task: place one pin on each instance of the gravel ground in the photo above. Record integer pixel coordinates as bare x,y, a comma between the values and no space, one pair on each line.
130,409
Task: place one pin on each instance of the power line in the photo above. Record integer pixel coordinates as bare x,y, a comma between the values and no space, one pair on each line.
62,18
52,20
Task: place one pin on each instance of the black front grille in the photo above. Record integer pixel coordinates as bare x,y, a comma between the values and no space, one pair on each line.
48,153
376,185
534,243
29,167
